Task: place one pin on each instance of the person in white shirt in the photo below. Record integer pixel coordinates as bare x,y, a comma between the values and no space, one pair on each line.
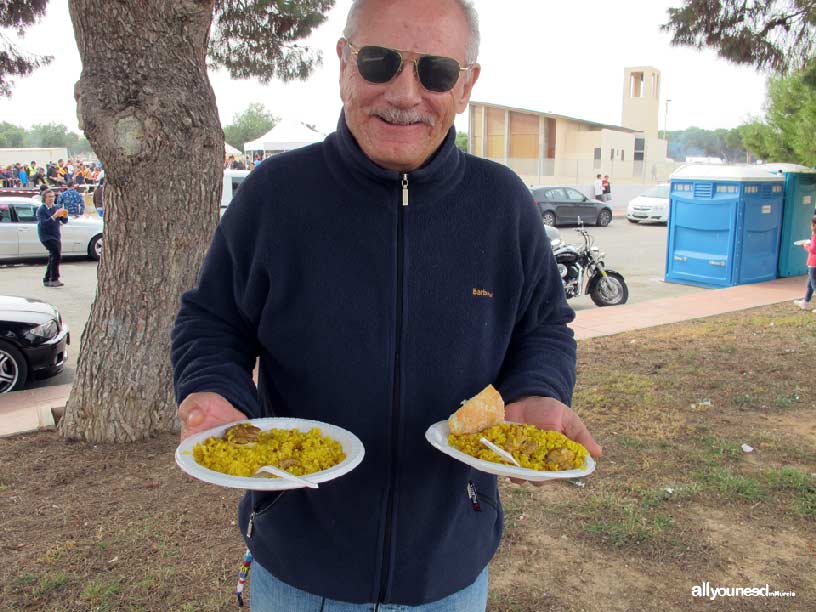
597,188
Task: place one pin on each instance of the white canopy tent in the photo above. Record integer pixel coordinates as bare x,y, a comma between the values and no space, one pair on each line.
230,150
285,136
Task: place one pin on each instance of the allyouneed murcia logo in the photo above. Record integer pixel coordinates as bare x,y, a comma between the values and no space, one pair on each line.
711,592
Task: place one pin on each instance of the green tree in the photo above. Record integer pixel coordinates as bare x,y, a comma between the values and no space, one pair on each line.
255,121
786,133
776,35
257,38
78,145
11,136
47,135
697,142
17,15
135,117
462,141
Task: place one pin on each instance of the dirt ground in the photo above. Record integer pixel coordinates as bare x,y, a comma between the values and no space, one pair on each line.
675,503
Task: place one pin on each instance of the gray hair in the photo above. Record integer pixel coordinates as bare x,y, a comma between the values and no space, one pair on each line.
472,51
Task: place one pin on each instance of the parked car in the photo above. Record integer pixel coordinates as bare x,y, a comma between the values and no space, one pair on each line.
18,232
651,206
567,205
33,341
232,180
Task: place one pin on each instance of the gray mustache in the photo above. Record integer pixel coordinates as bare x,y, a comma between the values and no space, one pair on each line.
402,117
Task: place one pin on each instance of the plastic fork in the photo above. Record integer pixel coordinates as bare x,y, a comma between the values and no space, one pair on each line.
499,451
271,469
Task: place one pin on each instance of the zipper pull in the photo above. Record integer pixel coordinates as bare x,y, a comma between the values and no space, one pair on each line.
474,497
405,190
251,525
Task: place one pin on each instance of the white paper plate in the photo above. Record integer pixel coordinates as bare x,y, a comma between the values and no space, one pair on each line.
437,435
801,242
352,447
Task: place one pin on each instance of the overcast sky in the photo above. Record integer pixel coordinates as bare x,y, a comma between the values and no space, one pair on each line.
561,57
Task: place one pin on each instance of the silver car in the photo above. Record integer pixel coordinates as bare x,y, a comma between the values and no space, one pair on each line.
18,232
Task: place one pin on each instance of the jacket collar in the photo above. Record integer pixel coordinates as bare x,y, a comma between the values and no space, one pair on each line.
443,171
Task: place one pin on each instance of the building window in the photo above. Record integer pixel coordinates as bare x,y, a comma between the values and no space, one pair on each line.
621,154
636,85
597,153
596,163
640,149
612,154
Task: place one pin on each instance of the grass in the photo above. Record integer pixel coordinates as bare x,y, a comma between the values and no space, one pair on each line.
798,483
48,583
788,400
731,486
623,521
101,591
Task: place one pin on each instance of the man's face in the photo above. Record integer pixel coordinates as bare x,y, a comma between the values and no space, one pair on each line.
400,124
49,199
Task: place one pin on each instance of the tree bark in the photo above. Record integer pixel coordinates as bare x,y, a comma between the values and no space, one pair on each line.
146,105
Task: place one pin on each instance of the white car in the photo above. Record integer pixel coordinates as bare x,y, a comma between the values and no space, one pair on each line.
232,180
18,232
651,206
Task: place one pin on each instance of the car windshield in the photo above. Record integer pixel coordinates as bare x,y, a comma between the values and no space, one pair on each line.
658,191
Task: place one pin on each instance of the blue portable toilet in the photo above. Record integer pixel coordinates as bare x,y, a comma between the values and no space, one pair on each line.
724,225
797,211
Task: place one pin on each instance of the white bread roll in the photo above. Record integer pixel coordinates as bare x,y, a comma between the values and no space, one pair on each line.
478,413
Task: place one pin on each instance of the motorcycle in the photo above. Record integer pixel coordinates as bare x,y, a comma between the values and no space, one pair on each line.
583,272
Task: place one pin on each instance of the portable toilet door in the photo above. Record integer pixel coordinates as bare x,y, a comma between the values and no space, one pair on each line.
797,211
721,231
759,226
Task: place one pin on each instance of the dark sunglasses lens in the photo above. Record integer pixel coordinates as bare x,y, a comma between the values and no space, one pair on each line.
438,73
378,64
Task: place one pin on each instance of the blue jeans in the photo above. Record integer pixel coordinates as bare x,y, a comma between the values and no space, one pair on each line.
811,284
268,594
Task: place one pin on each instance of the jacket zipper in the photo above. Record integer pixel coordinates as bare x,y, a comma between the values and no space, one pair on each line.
255,512
395,401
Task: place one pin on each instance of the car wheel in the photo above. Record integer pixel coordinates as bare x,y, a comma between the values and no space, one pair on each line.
604,217
548,218
95,247
13,368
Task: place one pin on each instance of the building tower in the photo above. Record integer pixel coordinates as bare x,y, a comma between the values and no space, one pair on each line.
641,99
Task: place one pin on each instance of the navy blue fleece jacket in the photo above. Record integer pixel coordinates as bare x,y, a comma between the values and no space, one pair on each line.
380,318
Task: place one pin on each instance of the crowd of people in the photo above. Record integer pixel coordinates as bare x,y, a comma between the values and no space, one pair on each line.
231,162
53,174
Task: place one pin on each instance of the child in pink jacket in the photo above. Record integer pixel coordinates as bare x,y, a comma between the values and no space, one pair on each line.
810,247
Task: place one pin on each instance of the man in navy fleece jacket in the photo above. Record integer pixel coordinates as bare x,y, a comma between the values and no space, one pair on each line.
381,277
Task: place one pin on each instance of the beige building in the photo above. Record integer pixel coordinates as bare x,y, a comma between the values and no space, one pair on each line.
546,148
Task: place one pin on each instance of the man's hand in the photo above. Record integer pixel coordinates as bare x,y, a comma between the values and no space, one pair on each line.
205,410
549,414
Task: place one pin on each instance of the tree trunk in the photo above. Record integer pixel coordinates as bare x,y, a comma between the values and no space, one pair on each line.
145,103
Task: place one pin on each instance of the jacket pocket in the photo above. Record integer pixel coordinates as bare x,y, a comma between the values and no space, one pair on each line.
260,504
478,498
485,499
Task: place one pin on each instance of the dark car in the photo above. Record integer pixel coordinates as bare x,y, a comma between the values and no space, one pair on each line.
567,205
33,341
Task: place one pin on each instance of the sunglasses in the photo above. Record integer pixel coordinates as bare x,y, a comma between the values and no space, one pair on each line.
381,64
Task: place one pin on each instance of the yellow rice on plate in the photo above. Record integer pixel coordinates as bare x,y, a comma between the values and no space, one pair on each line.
532,447
295,451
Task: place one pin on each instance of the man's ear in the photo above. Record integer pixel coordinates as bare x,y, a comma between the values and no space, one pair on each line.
471,77
341,52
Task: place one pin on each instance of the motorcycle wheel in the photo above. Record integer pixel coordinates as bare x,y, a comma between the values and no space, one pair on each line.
609,290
